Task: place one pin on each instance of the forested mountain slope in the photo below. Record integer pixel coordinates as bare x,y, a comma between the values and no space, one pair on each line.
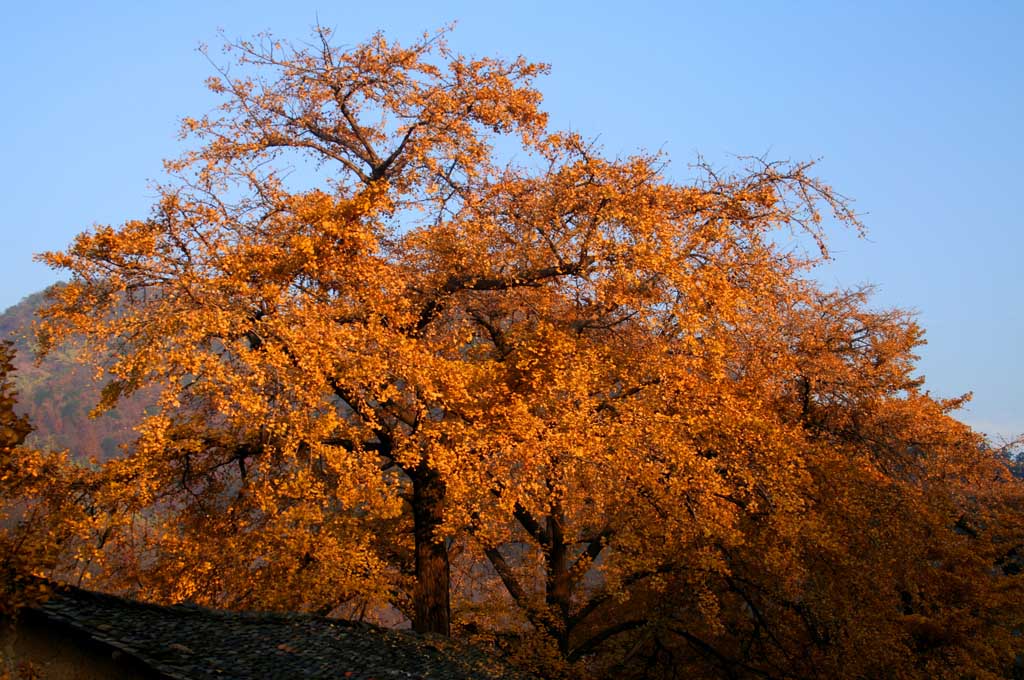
58,393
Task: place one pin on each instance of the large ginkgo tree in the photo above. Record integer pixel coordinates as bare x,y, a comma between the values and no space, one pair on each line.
402,335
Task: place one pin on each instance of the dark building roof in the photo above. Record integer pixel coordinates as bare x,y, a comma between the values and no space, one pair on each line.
187,642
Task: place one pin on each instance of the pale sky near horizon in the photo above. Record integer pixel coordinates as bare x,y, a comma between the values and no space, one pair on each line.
915,109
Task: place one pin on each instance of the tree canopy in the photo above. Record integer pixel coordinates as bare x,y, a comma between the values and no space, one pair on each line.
549,396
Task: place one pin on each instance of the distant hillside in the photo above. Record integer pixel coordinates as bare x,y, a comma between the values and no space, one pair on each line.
58,394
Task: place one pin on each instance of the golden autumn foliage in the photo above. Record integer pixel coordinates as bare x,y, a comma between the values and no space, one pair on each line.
572,406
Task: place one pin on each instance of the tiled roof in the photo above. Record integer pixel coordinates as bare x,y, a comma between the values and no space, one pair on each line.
186,642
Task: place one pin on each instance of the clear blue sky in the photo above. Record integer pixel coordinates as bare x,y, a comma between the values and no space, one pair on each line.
915,109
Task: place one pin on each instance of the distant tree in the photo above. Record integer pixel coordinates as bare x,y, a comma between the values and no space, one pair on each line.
1013,454
13,427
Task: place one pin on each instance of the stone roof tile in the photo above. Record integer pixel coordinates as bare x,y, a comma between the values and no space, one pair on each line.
188,642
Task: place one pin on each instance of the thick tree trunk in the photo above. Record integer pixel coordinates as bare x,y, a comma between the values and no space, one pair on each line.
558,589
431,592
